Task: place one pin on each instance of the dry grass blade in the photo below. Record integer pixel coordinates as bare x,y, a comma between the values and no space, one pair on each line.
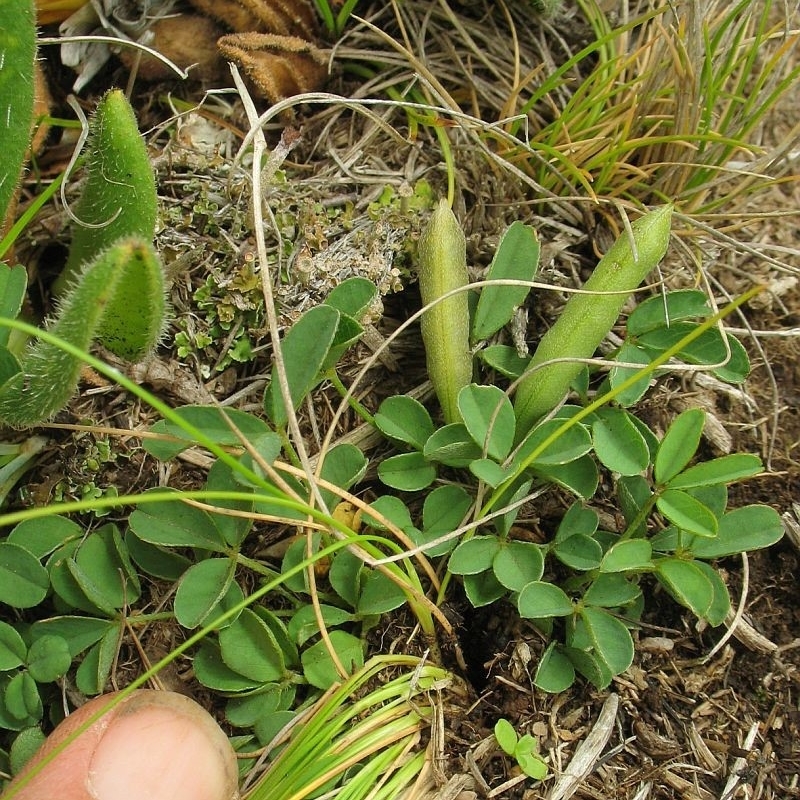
588,752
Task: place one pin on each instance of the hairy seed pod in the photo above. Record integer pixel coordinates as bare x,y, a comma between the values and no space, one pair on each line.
119,198
587,318
119,299
445,325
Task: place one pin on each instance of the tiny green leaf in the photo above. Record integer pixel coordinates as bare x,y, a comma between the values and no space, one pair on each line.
246,710
78,632
352,296
174,524
709,349
618,443
489,418
579,477
751,527
391,507
578,519
348,332
679,444
528,758
13,283
634,494
95,667
200,590
42,536
628,555
453,446
305,348
661,311
555,672
687,582
304,625
725,469
488,471
506,736
159,562
540,599
408,472
318,666
611,590
483,588
630,353
48,659
569,445
474,555
444,510
217,424
505,360
579,552
22,699
516,258
511,497
345,576
379,594
404,419
721,604
12,648
23,580
687,512
517,564
611,640
591,666
250,649
344,466
24,747
213,673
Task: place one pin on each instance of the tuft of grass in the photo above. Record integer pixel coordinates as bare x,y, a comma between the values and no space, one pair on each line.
665,103
672,108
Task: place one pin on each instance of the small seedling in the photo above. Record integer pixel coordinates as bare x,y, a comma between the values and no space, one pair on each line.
523,749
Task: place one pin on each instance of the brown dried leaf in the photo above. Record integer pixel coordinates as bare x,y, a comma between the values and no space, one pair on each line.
279,66
301,14
188,41
279,17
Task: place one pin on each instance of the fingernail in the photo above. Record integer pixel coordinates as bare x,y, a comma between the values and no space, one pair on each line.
162,746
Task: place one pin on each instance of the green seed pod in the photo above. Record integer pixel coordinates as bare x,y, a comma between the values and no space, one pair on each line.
445,326
120,192
17,54
587,318
118,299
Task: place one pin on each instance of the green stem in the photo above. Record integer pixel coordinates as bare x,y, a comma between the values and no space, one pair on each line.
359,408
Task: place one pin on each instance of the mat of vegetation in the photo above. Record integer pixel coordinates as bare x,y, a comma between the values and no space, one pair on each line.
418,394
